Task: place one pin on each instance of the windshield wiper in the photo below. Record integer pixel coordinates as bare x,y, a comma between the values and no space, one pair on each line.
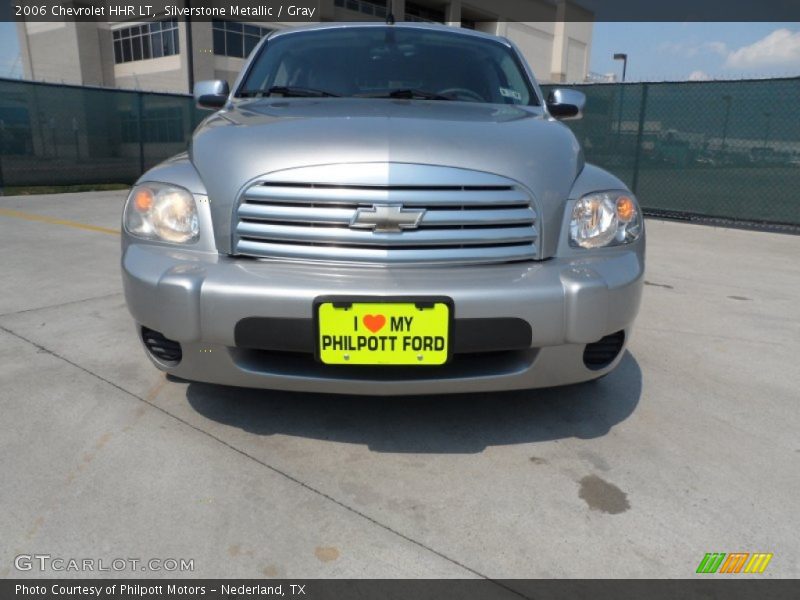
406,94
288,92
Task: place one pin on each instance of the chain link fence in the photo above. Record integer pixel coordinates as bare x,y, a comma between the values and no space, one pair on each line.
726,150
714,150
53,135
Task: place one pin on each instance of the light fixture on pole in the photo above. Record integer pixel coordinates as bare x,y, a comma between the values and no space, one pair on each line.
624,58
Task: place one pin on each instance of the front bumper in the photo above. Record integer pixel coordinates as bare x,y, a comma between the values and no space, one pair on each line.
198,298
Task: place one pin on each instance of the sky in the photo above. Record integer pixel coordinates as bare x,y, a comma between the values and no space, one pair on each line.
9,50
681,51
656,51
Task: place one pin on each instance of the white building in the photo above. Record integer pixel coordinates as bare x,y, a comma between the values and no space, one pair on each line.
153,55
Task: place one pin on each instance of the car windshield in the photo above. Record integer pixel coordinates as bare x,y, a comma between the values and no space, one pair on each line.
388,62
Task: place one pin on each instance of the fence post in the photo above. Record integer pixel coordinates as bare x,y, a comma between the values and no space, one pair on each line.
2,150
140,128
639,137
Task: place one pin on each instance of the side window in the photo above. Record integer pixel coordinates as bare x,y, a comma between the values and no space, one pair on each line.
514,89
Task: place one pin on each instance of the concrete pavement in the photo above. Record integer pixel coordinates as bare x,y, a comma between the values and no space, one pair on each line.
689,447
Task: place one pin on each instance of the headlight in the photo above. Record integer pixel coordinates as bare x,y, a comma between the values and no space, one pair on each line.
158,211
605,219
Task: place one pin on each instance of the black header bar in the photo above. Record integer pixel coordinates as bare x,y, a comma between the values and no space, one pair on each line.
709,586
312,11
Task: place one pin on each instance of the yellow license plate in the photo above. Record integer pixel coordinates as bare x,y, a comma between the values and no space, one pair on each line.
383,333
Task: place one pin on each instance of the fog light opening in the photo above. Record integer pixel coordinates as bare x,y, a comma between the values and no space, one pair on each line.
598,355
165,351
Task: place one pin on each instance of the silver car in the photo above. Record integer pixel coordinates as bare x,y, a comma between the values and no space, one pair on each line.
383,209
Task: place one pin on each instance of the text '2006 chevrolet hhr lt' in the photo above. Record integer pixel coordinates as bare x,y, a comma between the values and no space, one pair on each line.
383,209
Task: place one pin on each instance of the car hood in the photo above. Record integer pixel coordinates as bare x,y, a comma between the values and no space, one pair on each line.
256,137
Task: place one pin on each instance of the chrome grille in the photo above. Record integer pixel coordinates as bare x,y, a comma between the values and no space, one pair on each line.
465,224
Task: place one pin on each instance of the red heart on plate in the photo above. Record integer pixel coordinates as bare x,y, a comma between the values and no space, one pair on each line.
374,322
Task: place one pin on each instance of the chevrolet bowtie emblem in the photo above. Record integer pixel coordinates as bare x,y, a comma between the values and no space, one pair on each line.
387,218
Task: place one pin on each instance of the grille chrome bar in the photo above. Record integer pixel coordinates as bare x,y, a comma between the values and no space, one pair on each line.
272,193
487,220
470,255
418,237
343,216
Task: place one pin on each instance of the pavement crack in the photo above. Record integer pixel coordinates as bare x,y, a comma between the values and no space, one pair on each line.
708,334
272,468
27,310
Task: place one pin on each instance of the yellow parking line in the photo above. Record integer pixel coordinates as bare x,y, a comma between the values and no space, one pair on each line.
7,212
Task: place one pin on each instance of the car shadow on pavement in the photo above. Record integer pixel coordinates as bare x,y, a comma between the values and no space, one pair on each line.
462,423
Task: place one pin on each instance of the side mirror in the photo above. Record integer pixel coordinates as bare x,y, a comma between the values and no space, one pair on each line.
211,94
566,104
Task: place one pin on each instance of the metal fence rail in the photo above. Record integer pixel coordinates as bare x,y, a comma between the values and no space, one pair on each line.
727,150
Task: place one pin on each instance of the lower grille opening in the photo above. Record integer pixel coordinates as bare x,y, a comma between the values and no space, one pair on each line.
297,364
599,355
165,350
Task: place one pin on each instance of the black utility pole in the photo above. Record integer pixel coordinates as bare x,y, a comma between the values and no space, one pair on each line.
639,139
140,129
619,111
189,47
624,58
2,150
768,117
727,99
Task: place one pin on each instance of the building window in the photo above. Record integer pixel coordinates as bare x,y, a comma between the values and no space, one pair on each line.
236,39
376,8
423,14
151,40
